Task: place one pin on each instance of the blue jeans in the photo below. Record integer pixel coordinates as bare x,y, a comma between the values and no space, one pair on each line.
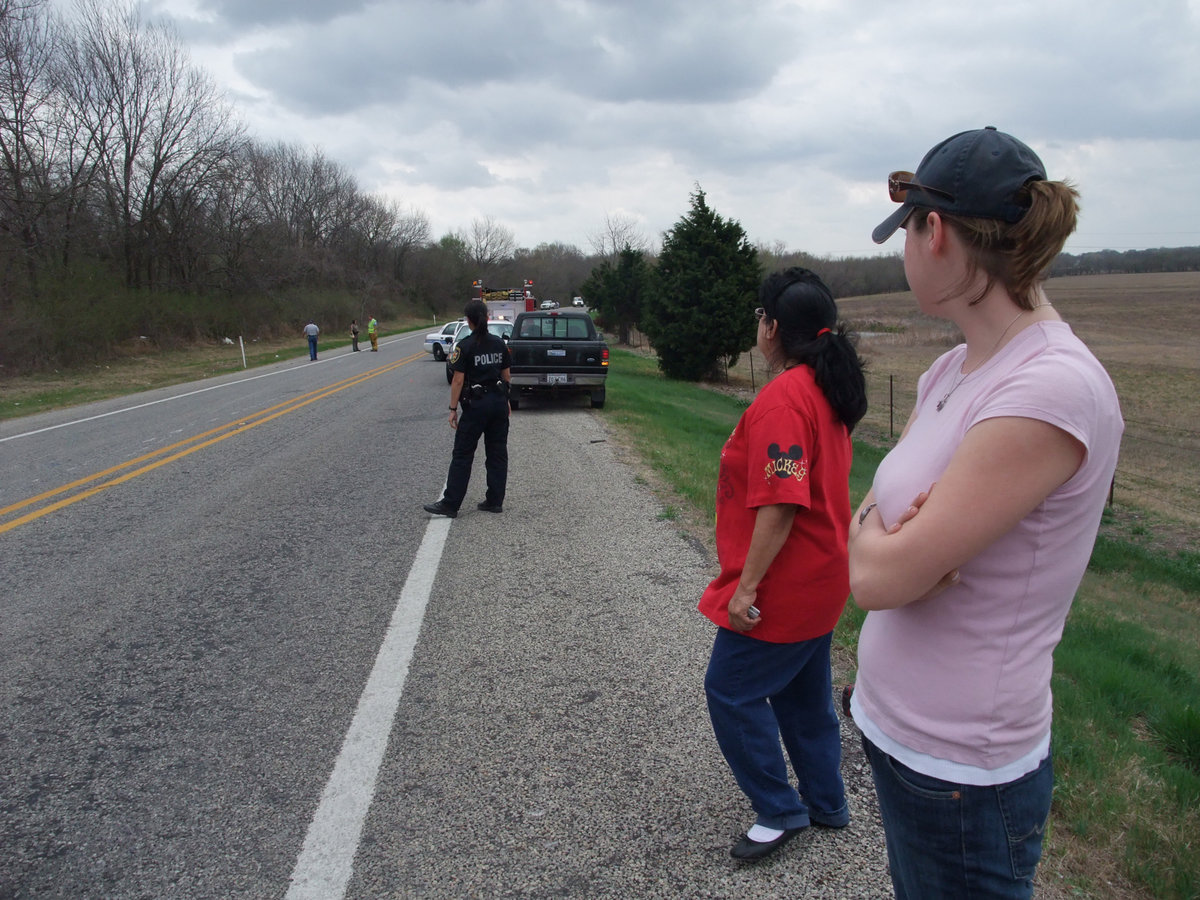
949,840
759,692
312,346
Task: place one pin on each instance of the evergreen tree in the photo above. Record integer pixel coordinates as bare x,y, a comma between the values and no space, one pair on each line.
617,291
701,309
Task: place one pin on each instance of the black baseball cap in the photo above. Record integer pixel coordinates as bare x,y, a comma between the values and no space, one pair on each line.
977,174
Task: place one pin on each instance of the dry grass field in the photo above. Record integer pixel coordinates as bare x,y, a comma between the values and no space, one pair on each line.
1145,329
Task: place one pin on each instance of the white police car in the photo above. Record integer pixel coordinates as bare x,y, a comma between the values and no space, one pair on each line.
441,342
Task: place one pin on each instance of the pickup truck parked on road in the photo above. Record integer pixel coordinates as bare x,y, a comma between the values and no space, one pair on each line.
555,352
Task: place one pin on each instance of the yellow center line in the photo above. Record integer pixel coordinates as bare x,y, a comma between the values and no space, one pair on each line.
237,426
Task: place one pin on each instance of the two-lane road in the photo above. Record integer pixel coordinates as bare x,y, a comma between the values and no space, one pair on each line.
195,584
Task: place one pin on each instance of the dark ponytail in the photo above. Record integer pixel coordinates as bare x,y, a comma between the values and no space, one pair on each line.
810,334
476,314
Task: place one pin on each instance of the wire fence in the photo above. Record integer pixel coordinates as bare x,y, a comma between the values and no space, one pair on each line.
1157,469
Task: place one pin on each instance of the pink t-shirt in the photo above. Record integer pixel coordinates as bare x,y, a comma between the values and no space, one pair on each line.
965,676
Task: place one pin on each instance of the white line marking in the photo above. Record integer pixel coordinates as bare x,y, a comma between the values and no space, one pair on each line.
327,859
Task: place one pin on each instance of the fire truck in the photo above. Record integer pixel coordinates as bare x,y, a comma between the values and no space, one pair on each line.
506,304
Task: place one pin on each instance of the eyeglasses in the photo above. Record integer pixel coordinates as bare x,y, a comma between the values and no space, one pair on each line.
900,183
759,313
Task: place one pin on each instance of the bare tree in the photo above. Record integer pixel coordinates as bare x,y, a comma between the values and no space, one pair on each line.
557,270
171,131
115,150
617,233
489,245
410,232
28,130
235,222
440,276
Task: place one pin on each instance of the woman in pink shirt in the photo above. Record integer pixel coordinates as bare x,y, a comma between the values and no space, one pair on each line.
968,583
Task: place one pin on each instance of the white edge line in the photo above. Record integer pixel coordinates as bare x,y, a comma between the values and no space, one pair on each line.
326,860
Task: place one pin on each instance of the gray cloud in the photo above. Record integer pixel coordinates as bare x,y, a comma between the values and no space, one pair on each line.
254,13
790,111
607,53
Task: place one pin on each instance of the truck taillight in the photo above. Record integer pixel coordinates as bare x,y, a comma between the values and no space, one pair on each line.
604,357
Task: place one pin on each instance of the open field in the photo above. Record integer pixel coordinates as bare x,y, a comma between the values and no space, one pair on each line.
1145,329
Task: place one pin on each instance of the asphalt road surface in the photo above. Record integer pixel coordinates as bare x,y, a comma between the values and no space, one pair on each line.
238,660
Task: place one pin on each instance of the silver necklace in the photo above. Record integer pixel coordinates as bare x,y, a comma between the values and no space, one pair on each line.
995,346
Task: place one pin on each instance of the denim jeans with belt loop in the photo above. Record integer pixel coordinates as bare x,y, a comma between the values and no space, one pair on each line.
947,841
761,692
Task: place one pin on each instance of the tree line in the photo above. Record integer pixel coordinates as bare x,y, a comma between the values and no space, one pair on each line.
134,208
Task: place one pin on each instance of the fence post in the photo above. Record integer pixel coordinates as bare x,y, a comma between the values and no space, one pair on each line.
891,407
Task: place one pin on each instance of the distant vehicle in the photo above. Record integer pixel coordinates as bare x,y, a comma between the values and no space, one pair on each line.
578,301
557,352
441,342
549,304
500,327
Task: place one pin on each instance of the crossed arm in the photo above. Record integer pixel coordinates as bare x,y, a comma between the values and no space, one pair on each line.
1003,470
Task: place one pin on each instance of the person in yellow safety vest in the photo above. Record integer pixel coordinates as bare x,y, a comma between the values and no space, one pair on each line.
372,333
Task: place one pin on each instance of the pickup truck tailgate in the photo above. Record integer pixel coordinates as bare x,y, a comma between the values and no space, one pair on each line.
556,355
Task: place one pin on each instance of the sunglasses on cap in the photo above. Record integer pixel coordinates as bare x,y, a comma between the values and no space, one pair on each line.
900,183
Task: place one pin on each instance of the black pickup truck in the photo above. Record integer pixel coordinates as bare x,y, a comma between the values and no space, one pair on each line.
557,351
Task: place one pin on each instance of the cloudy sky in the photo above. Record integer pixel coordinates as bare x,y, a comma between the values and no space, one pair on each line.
549,115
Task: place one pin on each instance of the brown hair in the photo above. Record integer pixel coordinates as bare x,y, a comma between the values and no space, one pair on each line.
1016,255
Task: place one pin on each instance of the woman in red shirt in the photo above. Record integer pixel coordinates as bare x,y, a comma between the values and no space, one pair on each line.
783,513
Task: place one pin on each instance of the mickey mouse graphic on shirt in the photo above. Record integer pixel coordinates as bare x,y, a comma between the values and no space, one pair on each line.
789,464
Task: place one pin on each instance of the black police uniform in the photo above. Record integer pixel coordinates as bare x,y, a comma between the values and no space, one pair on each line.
481,356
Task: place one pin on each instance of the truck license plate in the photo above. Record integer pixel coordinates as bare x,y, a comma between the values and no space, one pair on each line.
556,379
556,352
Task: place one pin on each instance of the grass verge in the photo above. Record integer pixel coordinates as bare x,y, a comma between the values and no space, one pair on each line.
1126,817
143,367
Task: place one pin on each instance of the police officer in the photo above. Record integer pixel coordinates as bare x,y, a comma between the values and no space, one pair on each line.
481,364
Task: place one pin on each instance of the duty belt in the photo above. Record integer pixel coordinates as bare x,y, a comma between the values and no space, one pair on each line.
498,387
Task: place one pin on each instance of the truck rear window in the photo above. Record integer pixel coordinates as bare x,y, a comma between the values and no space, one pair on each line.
554,327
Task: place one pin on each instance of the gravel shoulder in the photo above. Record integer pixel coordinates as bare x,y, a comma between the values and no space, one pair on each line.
553,738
